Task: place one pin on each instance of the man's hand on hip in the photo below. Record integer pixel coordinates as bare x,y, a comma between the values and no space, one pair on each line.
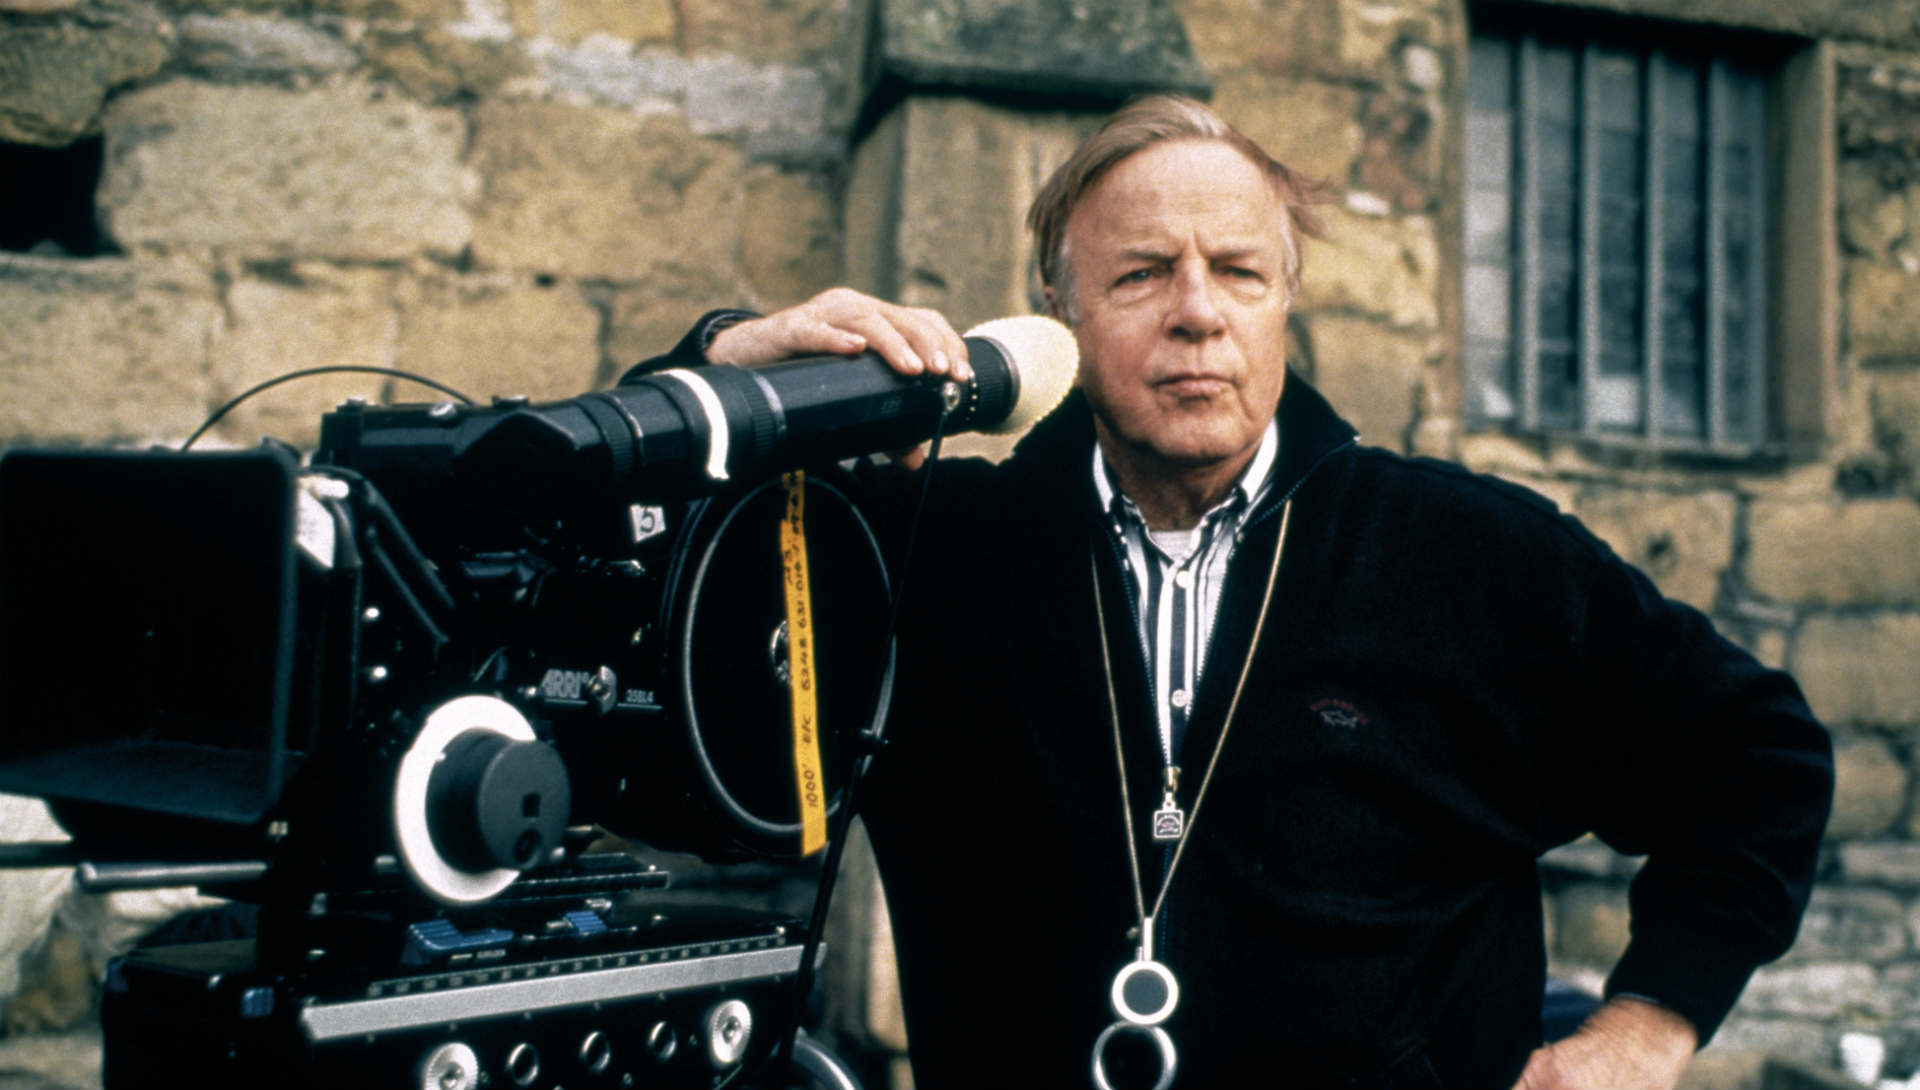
1627,1043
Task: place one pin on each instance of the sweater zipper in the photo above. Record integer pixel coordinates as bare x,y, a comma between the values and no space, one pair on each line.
1163,922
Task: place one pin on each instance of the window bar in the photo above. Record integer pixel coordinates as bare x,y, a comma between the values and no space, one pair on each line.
1714,206
1651,285
1589,240
1757,272
1527,217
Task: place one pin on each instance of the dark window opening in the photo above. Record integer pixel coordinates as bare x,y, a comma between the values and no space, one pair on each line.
1617,214
46,199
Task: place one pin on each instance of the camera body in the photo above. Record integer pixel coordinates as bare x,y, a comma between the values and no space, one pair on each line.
393,698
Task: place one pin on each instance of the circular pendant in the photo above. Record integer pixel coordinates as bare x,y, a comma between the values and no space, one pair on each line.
1124,1033
1145,993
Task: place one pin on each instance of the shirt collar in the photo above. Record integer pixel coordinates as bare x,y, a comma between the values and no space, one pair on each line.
1252,482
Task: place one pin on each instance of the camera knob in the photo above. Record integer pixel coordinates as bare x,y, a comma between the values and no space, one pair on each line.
452,1066
493,802
729,1027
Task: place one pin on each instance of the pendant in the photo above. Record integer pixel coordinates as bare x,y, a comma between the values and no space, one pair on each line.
1121,1031
1145,992
1169,822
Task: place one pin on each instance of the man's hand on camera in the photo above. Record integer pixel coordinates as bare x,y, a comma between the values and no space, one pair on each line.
1626,1043
844,322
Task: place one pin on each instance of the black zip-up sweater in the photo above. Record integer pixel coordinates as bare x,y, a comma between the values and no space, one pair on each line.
1452,679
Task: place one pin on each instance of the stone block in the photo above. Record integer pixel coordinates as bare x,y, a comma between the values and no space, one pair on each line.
1682,541
1370,373
1882,311
1111,48
1913,811
1851,552
299,316
28,898
1719,1068
604,72
1870,789
54,79
1371,32
1401,158
1851,925
337,171
602,194
438,66
641,21
1895,400
498,335
725,95
38,7
252,45
1859,668
390,11
1310,125
790,250
103,350
1386,267
1872,217
1273,35
965,174
1887,863
1815,990
649,318
799,31
1591,924
1746,1032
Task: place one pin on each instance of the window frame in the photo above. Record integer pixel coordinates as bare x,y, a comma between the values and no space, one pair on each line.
1796,402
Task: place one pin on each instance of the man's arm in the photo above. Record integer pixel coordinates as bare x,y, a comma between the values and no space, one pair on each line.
1691,752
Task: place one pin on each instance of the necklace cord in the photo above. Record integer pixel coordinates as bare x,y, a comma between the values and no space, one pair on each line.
1119,751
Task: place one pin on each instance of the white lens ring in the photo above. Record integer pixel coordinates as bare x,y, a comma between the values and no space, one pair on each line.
1169,1061
431,871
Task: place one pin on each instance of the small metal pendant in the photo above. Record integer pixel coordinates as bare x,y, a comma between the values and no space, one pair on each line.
1169,822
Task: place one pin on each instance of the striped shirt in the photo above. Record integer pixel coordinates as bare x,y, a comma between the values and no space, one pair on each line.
1174,579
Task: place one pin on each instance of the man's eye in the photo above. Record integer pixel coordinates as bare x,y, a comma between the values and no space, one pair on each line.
1135,276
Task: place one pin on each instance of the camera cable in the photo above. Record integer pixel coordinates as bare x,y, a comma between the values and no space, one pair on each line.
336,369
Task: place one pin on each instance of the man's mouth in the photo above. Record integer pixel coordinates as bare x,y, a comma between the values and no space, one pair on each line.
1192,385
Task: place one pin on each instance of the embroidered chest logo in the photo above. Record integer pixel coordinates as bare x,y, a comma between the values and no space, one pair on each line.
1339,713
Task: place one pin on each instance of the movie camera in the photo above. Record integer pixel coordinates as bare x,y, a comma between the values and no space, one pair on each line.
393,697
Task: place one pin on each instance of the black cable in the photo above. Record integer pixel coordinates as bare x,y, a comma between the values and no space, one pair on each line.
336,369
856,766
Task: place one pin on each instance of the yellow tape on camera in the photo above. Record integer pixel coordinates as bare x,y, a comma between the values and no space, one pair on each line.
800,679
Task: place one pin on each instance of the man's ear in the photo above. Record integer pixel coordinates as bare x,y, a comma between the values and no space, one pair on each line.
1054,310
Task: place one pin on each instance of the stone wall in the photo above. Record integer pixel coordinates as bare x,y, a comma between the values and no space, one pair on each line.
510,197
523,196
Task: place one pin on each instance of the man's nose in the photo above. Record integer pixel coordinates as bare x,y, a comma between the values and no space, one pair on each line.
1194,315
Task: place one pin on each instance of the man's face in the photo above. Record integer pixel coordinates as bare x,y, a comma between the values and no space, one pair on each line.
1176,260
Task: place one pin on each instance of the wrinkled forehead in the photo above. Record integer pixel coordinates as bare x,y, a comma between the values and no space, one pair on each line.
1189,190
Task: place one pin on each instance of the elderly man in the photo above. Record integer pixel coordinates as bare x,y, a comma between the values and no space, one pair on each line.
1226,746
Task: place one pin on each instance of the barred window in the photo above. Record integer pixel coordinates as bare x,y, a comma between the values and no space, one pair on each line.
1616,225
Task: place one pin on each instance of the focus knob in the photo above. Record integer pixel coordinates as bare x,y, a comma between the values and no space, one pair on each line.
493,801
